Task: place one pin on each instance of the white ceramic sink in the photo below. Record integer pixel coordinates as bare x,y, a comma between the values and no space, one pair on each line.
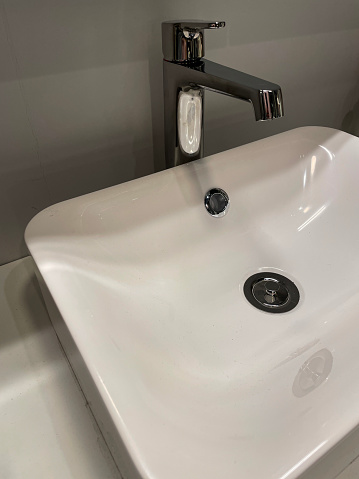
186,378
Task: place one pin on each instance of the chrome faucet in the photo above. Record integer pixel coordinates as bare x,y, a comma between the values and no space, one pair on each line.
186,75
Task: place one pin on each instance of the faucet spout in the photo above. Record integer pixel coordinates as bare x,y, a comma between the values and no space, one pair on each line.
186,74
266,97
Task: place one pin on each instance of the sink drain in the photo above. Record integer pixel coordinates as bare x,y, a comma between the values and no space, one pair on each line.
271,292
216,202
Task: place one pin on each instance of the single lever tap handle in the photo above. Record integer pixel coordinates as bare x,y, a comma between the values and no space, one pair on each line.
198,24
183,40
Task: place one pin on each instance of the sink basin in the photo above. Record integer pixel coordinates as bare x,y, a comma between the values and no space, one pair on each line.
184,375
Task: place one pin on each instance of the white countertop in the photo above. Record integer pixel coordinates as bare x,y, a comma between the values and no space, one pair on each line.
46,429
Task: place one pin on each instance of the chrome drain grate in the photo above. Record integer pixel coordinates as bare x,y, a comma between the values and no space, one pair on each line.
271,292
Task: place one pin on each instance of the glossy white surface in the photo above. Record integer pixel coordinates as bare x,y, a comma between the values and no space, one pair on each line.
197,381
47,430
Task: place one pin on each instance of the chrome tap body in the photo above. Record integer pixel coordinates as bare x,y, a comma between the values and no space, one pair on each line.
184,68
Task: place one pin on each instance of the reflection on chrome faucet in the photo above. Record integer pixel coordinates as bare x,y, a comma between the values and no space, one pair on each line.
184,69
314,372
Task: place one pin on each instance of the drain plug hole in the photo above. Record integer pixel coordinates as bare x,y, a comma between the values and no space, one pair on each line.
271,292
216,202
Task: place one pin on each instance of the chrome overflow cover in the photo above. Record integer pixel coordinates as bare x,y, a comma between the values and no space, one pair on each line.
271,292
216,202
